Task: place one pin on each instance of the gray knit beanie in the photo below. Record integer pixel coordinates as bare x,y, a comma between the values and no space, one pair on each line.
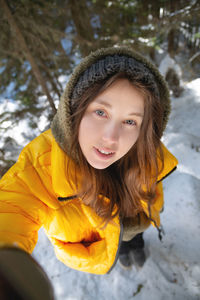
110,65
98,66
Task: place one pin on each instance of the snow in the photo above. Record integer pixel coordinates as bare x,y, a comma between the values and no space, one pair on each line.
19,133
169,63
172,268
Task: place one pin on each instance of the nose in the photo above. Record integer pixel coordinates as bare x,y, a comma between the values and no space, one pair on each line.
111,133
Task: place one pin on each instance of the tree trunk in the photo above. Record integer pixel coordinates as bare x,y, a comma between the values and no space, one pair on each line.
27,53
170,40
171,37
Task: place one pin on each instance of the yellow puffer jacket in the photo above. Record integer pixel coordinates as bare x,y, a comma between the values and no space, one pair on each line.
35,193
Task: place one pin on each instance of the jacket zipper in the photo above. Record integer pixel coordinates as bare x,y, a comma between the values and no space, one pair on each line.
167,174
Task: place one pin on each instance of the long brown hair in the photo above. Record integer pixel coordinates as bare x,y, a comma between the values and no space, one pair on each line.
134,176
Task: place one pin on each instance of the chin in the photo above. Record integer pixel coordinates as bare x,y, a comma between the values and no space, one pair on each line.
99,166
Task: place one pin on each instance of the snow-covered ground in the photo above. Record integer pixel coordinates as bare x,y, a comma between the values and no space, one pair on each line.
172,269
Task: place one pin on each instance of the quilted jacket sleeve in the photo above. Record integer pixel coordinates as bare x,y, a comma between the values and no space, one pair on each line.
21,212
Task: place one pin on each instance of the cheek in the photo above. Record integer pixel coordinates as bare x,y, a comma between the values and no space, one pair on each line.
86,130
81,135
129,140
89,126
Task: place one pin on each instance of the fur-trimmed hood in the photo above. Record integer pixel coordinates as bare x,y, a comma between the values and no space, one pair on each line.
61,125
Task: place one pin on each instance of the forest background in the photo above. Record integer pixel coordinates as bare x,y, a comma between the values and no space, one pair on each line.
42,41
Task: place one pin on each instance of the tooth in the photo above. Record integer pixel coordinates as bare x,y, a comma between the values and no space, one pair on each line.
104,152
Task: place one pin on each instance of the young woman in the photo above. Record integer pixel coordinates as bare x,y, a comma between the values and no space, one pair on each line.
93,180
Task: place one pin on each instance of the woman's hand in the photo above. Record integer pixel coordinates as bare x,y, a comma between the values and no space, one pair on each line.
21,277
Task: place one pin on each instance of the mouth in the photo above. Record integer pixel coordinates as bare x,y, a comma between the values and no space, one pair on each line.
103,153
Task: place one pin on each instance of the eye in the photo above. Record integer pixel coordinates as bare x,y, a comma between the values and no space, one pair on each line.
130,122
100,112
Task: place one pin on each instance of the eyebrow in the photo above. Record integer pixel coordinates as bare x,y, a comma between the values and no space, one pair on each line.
136,114
110,106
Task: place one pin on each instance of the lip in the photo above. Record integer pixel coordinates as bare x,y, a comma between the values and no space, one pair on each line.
104,156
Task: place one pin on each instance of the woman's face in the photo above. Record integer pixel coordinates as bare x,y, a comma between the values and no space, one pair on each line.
111,124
